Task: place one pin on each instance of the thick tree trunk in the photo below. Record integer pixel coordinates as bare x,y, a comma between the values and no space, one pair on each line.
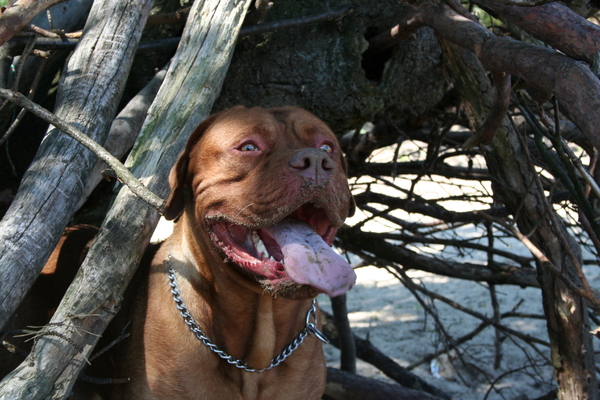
90,88
321,67
192,83
515,185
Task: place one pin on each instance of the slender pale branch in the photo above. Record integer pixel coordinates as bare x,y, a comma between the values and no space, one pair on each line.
121,171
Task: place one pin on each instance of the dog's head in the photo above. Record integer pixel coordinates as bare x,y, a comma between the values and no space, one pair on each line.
269,187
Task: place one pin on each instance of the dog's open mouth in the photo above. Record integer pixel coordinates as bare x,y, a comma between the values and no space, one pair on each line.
296,249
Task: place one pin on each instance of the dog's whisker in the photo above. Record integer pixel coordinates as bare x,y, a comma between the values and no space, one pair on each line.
242,210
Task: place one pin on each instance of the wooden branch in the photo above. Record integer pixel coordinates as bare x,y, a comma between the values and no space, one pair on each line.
553,23
426,208
273,26
123,132
121,172
177,17
20,14
459,242
345,338
498,336
439,169
40,31
356,241
346,386
88,95
518,187
573,83
171,43
192,83
485,134
455,344
401,272
586,292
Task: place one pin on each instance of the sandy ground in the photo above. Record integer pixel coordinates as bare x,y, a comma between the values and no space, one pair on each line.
384,311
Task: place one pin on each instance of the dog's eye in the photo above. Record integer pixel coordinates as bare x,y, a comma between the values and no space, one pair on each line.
249,147
327,148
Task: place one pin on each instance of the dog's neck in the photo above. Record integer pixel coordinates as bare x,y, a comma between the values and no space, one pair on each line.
235,314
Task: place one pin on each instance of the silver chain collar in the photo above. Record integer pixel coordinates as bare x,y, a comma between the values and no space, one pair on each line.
238,362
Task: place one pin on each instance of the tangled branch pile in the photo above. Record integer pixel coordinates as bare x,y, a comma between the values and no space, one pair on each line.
472,148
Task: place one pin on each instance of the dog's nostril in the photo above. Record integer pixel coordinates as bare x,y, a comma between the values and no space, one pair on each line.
311,158
327,163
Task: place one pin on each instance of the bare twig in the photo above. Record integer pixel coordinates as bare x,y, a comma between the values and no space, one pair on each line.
15,17
330,15
177,17
40,31
456,342
123,173
498,337
30,94
586,292
172,43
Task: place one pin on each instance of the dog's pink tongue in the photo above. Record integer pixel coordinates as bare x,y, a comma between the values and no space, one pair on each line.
308,260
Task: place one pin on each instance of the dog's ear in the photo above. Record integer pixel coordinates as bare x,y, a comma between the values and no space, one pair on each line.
178,178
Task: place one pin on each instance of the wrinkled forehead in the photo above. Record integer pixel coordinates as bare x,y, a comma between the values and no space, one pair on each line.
300,120
241,121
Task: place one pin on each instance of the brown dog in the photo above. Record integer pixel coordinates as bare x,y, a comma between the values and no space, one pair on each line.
259,195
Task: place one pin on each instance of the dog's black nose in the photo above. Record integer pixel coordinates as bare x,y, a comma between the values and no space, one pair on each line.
314,165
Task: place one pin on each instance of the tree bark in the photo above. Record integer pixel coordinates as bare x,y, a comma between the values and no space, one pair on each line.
124,130
554,24
90,88
192,83
321,67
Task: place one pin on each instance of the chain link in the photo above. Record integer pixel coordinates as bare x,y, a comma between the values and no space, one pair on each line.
310,328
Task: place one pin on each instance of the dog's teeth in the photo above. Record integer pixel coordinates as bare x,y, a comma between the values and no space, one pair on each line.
261,250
